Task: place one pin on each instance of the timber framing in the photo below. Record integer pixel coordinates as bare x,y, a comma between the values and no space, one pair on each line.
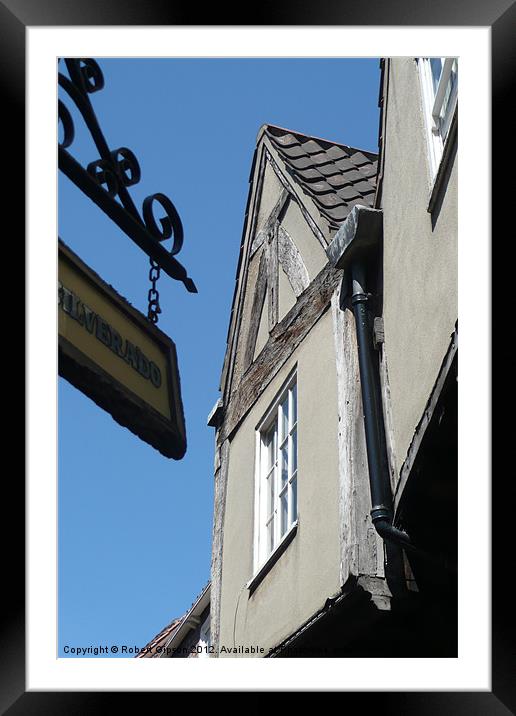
273,277
388,421
292,262
361,548
279,250
348,405
283,341
219,509
270,224
268,236
256,311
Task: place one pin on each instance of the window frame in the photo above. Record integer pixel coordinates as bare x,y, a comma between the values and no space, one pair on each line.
264,471
437,128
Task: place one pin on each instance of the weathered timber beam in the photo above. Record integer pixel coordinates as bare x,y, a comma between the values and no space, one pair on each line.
283,341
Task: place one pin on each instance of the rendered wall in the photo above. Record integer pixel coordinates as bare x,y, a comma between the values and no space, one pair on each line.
307,573
420,262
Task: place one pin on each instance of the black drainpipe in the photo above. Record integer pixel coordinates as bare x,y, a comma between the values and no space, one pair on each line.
381,496
353,248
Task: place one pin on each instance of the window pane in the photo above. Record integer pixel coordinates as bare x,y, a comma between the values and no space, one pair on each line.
293,492
270,536
294,404
270,493
450,91
293,450
270,444
436,67
284,419
284,513
284,465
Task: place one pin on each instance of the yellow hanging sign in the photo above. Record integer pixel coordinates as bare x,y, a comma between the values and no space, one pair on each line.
113,354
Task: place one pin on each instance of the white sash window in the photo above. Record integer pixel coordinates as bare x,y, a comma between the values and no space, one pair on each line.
439,84
277,473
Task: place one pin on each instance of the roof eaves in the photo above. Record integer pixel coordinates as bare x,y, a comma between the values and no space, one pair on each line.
232,316
195,611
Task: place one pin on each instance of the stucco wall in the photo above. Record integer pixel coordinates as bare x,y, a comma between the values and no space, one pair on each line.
270,193
307,573
286,296
420,261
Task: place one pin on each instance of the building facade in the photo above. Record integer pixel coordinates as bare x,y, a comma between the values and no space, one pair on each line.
335,468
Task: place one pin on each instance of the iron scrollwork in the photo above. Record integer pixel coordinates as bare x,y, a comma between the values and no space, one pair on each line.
106,180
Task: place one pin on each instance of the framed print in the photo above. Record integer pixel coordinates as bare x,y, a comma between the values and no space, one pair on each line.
25,688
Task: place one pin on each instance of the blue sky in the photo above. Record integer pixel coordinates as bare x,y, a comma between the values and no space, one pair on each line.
134,528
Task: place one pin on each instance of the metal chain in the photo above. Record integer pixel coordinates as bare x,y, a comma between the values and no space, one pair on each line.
153,295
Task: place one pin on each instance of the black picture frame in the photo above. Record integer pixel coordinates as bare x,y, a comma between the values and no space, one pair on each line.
15,17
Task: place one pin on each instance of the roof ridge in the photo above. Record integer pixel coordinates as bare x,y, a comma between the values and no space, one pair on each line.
319,139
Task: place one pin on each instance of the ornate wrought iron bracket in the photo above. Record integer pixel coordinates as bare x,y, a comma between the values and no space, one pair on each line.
108,178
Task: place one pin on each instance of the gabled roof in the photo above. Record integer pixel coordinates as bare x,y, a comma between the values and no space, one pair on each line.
164,638
324,176
334,175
